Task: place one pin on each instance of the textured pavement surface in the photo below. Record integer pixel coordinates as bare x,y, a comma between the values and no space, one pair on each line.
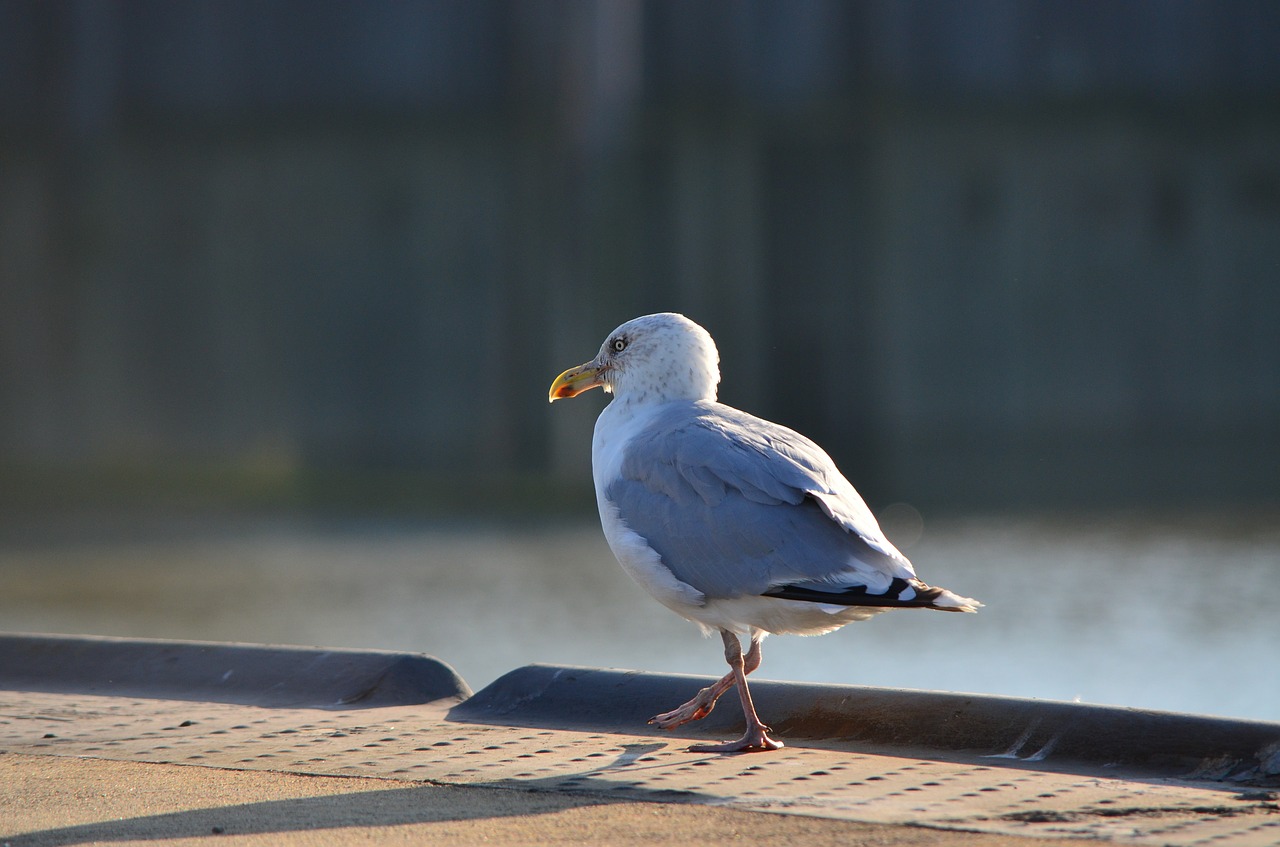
82,768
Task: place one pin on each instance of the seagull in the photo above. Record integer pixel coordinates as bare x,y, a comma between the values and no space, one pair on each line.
738,524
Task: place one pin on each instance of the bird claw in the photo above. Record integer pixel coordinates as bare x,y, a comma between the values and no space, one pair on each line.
755,740
695,710
689,712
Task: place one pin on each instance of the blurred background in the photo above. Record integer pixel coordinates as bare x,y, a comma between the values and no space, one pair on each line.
283,285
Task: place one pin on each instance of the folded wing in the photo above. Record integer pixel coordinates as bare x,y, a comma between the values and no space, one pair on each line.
735,505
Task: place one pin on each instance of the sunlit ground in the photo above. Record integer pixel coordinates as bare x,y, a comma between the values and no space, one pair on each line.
1150,613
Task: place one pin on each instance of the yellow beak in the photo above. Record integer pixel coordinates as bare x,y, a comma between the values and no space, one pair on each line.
574,381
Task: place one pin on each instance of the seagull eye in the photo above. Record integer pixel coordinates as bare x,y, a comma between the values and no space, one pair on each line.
619,344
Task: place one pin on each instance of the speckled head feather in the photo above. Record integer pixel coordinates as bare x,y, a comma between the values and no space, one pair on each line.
662,357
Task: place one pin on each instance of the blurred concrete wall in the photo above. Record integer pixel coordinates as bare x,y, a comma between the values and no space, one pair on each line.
990,253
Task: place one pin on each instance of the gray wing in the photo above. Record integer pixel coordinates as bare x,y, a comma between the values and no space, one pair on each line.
736,505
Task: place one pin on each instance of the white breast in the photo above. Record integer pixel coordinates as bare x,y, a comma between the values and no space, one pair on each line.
616,426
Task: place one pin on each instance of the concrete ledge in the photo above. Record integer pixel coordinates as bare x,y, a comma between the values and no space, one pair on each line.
247,674
570,698
1007,727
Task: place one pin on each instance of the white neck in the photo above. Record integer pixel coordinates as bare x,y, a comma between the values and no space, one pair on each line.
620,421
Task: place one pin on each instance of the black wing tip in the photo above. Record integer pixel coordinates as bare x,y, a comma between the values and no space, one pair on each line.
922,597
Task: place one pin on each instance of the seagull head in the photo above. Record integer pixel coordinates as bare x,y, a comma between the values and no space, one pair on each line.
655,358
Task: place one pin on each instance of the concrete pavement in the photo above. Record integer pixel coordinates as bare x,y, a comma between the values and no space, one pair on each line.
98,744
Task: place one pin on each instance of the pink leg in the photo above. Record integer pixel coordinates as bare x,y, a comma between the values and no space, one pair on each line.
701,705
756,739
